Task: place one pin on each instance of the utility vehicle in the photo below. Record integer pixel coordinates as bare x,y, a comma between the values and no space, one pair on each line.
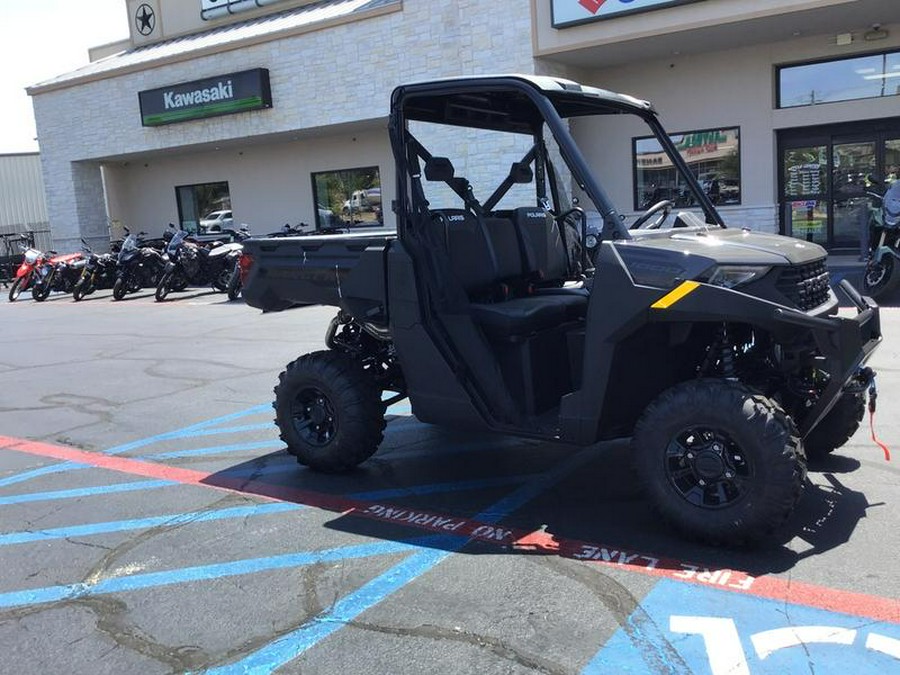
513,297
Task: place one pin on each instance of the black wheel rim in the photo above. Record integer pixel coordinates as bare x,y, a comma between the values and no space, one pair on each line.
876,274
707,468
313,416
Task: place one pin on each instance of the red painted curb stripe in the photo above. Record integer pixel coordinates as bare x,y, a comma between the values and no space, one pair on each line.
845,602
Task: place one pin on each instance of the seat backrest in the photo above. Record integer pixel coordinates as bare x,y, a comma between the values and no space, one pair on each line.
544,248
483,252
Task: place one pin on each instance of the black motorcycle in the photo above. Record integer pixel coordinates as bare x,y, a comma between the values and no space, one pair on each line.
190,264
137,266
235,281
57,274
99,272
882,274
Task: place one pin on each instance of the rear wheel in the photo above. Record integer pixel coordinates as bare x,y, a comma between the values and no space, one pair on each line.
882,277
220,283
329,411
837,428
718,461
120,288
41,290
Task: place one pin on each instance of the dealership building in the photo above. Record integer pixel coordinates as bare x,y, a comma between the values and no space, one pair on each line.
276,110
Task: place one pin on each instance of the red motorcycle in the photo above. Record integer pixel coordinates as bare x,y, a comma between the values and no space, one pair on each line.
27,272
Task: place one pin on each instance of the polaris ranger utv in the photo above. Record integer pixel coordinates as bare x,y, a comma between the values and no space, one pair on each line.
498,305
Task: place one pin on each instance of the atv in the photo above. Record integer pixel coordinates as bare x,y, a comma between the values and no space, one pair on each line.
514,297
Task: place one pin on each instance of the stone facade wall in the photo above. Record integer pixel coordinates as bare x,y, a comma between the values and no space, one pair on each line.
329,77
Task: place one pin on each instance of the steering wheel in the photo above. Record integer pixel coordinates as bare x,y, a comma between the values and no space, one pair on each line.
666,206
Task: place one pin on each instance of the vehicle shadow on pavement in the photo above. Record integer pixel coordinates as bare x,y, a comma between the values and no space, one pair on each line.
424,471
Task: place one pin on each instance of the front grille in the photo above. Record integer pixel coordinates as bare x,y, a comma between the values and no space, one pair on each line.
806,286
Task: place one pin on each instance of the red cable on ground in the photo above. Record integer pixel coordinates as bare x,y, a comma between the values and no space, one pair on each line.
887,452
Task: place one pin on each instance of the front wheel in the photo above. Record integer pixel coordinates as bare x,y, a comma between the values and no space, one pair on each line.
881,277
19,285
234,284
120,288
329,411
164,286
82,288
720,462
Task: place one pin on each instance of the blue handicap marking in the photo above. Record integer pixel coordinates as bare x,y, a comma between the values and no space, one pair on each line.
686,628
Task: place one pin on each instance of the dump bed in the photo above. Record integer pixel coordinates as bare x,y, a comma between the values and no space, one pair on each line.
344,270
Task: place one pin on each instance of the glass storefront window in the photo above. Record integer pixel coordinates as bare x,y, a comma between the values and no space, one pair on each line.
348,198
204,202
713,156
848,79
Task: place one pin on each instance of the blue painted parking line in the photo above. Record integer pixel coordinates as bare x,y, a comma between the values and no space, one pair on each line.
685,628
85,492
291,645
216,450
134,582
42,471
171,520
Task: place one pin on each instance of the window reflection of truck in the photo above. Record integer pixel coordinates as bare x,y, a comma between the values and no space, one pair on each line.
363,200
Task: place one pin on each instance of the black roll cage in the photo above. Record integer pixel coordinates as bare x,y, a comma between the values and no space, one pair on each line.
442,102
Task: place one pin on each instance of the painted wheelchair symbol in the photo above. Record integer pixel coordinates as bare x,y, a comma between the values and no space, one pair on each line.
726,654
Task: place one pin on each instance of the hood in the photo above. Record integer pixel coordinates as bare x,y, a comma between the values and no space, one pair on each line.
659,257
730,246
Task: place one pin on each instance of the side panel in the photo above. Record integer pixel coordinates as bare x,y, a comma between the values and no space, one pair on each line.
326,270
433,388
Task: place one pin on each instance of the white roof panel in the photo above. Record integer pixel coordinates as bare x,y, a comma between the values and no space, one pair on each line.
235,33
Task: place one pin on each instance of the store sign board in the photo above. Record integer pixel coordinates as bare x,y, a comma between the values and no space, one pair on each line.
210,97
574,12
213,9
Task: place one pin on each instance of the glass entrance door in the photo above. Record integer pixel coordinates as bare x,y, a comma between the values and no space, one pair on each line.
853,172
824,175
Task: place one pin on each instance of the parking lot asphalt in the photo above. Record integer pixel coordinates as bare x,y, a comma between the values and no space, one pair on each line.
151,521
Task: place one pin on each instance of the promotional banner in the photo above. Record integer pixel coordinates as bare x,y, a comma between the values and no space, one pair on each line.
573,12
222,95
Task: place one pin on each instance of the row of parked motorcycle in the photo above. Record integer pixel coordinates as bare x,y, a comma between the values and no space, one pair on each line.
173,263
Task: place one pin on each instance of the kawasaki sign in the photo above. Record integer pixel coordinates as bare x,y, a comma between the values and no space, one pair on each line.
574,12
222,95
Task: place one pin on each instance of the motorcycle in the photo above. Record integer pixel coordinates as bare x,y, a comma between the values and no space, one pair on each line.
235,281
59,273
26,273
137,266
99,272
190,264
881,275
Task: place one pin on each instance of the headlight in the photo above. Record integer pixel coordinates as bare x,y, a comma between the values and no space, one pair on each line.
732,276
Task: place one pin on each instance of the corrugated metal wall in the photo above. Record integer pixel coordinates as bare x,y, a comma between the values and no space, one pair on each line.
23,207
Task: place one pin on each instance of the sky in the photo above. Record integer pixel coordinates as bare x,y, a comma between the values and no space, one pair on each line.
40,39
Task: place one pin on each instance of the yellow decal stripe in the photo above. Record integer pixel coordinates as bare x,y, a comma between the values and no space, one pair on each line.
670,299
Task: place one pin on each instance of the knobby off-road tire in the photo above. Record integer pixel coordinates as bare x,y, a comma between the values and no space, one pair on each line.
234,284
329,411
18,286
120,288
720,462
838,427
